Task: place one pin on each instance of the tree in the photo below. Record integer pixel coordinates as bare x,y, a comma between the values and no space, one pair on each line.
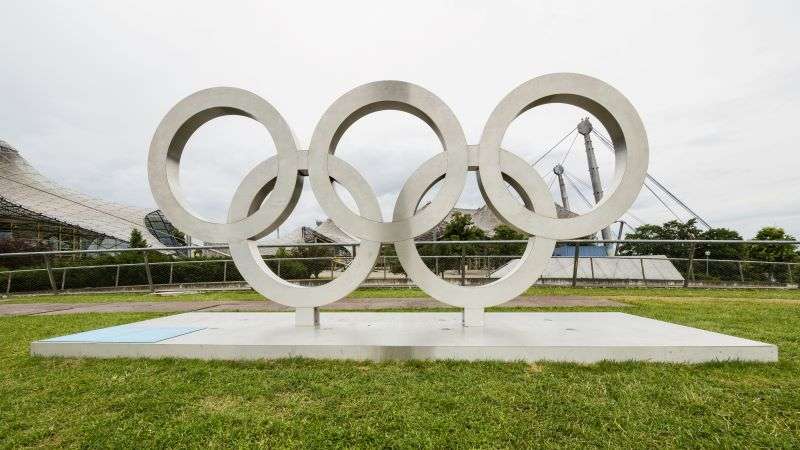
286,267
672,230
506,233
136,240
772,253
718,270
321,258
461,228
769,252
721,251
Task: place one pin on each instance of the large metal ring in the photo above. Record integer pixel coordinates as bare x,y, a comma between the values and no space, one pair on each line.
379,96
535,196
270,191
247,199
616,114
167,146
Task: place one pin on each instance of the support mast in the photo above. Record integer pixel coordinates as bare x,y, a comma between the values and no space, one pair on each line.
559,171
585,128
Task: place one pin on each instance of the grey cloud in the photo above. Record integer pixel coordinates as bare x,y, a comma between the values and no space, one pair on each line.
85,84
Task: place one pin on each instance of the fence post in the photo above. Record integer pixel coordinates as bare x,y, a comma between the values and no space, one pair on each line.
463,268
689,270
384,267
8,284
354,251
224,271
63,278
789,272
644,278
49,268
116,278
279,267
147,272
575,264
741,272
591,266
171,270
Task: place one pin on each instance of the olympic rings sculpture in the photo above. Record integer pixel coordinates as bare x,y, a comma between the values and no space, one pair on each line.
269,193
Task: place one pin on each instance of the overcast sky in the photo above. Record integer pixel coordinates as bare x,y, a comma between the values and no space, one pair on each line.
84,84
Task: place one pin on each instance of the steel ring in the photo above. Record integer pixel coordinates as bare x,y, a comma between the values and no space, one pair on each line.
379,96
538,251
166,148
616,114
253,189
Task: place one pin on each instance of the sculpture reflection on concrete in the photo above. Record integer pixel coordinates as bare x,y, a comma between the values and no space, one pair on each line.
269,193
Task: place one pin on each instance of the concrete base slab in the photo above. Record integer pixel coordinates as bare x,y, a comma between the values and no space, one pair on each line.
572,337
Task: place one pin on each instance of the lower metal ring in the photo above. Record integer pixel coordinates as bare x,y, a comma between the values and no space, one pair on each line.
245,253
535,195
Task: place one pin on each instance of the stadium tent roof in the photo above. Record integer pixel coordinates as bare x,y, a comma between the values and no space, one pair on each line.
325,231
24,186
656,268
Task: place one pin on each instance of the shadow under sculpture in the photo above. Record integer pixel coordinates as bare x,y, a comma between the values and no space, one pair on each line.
269,193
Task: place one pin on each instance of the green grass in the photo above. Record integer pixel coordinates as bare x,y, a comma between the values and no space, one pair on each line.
620,293
672,292
244,295
51,402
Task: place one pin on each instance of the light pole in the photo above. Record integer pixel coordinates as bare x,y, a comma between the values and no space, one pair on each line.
708,253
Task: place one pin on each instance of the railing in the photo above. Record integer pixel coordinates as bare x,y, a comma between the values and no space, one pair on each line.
464,262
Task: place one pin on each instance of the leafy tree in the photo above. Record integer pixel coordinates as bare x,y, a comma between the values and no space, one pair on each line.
773,253
719,270
136,240
461,228
288,268
721,251
672,230
314,266
506,233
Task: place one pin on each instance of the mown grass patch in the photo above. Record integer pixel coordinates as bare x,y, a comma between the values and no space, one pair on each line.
248,295
54,402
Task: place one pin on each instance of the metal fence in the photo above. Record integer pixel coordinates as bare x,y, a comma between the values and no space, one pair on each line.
682,263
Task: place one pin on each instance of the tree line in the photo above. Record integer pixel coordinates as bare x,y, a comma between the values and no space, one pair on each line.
309,262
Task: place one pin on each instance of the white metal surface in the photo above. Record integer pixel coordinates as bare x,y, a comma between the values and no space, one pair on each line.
247,258
616,114
281,178
532,190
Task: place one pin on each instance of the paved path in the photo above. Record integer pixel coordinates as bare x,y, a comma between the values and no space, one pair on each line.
26,309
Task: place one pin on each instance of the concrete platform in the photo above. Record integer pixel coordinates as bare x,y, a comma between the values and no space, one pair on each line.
573,337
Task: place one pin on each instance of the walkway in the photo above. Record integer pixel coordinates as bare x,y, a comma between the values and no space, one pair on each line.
26,309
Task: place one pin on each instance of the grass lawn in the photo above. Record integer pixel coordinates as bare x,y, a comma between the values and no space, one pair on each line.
238,296
613,293
54,402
